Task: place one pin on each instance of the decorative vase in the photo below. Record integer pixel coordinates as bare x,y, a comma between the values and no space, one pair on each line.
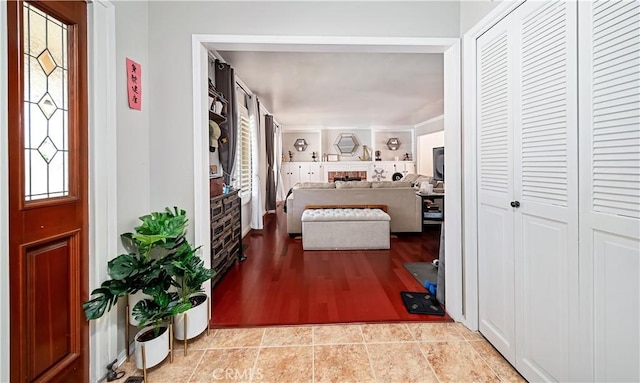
197,318
156,348
366,153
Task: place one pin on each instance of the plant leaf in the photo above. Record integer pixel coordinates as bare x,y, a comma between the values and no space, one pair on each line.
123,266
104,299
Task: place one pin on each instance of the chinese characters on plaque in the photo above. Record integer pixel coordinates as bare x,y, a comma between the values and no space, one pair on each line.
134,84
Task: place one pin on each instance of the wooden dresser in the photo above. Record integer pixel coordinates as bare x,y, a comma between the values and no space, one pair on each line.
226,233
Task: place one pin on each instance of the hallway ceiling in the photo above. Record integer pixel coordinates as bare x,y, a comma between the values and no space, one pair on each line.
343,89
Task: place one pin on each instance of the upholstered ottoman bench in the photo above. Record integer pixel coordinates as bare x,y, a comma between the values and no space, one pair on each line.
345,229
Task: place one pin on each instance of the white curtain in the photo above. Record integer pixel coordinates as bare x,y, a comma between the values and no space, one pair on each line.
281,194
257,204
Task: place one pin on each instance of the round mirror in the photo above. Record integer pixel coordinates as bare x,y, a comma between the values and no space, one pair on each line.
347,143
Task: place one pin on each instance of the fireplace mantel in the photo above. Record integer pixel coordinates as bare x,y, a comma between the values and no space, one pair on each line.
341,169
362,166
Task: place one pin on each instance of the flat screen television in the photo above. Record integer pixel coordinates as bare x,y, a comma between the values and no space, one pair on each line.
438,163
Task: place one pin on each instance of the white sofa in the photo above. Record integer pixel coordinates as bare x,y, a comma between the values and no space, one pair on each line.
403,205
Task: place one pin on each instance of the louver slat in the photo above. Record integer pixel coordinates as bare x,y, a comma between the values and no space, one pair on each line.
616,109
544,114
245,163
493,124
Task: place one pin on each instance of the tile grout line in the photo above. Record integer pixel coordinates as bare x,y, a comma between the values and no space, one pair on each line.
485,361
366,349
255,362
197,364
426,359
422,352
458,330
313,354
361,333
413,336
204,351
429,364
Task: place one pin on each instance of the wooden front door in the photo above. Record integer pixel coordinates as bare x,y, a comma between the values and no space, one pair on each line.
48,190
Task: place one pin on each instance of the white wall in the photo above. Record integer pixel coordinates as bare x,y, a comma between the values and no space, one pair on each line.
471,12
426,143
406,145
171,25
4,203
132,35
313,145
132,158
329,137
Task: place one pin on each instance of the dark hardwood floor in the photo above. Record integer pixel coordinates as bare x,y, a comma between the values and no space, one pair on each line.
280,284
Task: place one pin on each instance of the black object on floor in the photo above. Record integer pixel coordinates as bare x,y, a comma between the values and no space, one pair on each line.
112,373
243,257
421,303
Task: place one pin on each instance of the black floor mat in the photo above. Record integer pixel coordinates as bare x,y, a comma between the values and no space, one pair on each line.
421,303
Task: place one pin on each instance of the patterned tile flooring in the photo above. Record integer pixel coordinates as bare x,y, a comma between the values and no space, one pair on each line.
398,352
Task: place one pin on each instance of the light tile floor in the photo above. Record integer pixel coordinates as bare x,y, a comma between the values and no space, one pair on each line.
399,352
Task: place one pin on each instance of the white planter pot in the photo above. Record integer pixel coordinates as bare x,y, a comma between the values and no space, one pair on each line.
132,300
155,349
197,318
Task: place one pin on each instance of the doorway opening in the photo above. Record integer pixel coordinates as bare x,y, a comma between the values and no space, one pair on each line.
450,48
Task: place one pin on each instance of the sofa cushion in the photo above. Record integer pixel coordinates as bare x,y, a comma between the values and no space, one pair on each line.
347,214
315,185
410,178
353,184
390,184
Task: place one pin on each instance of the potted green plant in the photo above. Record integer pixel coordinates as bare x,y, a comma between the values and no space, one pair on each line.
190,274
144,276
151,247
154,314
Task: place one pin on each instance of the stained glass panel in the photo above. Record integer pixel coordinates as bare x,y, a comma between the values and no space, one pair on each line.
46,60
38,131
56,166
35,31
39,181
54,40
47,150
56,130
45,106
56,86
37,85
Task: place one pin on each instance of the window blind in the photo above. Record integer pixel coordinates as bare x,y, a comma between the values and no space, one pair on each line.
244,149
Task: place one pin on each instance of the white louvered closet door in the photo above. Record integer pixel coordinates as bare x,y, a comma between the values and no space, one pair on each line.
495,189
610,190
528,187
546,186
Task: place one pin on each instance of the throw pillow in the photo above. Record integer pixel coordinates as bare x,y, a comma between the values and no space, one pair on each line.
352,184
390,184
315,185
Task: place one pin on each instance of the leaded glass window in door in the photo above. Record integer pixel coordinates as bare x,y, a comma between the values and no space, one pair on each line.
46,111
